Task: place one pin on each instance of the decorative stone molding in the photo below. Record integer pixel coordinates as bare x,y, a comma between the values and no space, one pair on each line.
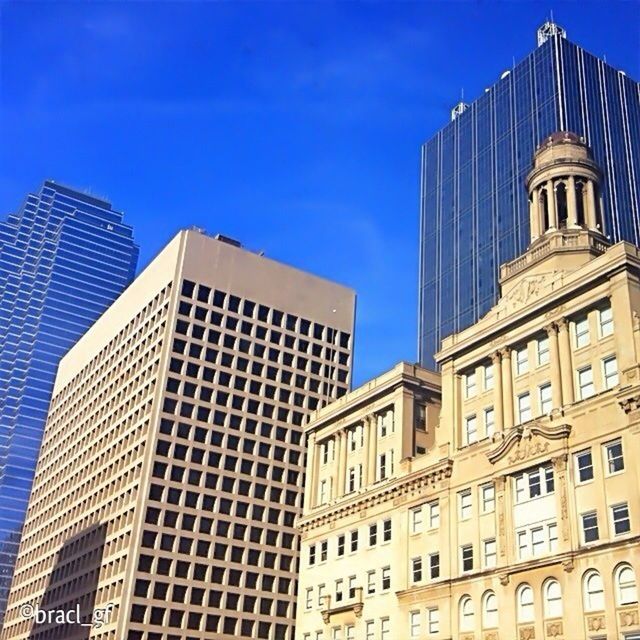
491,635
528,449
406,487
504,579
629,617
526,633
554,629
630,403
568,565
467,636
596,623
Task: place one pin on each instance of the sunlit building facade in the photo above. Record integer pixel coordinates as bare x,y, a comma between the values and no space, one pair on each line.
500,499
473,205
171,469
65,256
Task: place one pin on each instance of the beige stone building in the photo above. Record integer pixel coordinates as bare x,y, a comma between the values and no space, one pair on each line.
171,468
499,500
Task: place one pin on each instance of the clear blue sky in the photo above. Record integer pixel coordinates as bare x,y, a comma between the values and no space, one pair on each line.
294,127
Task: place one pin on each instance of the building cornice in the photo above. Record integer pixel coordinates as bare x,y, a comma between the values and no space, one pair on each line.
397,491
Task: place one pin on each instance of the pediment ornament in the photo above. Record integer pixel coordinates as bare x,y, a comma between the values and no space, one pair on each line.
526,441
527,289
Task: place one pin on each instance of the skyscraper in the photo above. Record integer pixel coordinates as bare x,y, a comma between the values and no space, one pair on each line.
171,469
474,209
64,258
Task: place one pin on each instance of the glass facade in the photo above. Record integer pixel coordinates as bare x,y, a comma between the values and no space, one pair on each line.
64,258
474,211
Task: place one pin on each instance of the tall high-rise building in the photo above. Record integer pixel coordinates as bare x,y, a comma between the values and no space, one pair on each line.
501,498
171,470
473,203
64,258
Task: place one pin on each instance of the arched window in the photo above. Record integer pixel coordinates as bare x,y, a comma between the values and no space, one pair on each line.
561,205
625,582
489,610
593,591
552,597
524,598
466,614
544,208
580,196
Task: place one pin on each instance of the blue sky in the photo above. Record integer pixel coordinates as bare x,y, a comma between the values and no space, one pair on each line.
294,127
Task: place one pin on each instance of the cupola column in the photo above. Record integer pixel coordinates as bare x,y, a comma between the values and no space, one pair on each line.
591,206
551,203
572,204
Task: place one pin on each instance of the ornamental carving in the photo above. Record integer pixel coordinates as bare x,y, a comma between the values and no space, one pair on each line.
568,565
526,290
491,635
628,618
630,403
527,633
522,436
554,629
468,636
596,623
504,579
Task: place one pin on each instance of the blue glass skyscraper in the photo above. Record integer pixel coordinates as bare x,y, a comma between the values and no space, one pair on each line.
474,211
64,258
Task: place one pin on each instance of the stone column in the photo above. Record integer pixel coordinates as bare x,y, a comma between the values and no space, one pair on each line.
554,358
534,216
562,500
335,476
507,389
366,443
342,462
551,203
311,482
372,451
590,212
497,393
572,206
566,368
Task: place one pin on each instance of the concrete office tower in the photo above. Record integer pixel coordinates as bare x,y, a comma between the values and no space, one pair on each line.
171,469
516,514
474,213
64,258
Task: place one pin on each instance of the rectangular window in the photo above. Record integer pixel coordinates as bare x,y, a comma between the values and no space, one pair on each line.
350,632
490,553
434,514
590,526
312,555
336,633
614,457
552,534
415,520
470,385
341,545
323,493
466,557
414,624
586,387
584,466
488,498
522,360
373,534
321,595
544,397
370,630
416,569
339,590
470,430
385,465
371,582
524,408
464,502
354,478
385,629
324,550
354,540
309,598
488,377
523,544
386,530
610,372
542,348
620,517
605,322
534,482
434,566
386,578
433,621
581,331
537,541
489,422
352,586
